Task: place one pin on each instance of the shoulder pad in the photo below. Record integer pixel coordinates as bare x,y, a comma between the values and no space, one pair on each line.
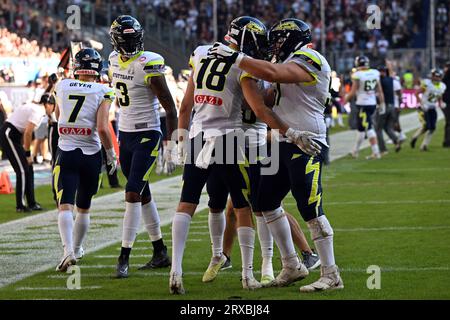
309,56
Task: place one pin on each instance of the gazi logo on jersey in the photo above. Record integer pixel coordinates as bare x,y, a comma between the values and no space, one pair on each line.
206,99
75,131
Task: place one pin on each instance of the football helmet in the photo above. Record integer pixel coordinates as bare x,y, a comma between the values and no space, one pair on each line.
127,35
250,35
88,62
437,73
286,37
362,61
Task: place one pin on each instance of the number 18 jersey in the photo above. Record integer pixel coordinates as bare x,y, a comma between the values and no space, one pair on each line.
218,95
78,102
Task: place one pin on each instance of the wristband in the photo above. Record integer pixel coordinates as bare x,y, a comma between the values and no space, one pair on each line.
28,153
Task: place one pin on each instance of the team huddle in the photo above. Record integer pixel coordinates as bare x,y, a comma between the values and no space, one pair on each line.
256,102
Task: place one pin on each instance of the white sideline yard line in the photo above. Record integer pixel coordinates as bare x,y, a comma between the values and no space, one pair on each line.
55,288
377,202
45,253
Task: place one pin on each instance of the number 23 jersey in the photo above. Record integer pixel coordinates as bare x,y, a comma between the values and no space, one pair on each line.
78,102
130,79
218,95
433,92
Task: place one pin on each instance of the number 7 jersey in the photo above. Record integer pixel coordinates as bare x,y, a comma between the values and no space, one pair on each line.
130,79
78,102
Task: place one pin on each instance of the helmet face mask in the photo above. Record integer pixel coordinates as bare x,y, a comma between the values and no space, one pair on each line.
286,37
436,75
127,36
87,62
249,35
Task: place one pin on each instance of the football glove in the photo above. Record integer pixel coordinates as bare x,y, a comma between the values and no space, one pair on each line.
382,108
182,151
443,105
111,160
169,162
223,52
304,140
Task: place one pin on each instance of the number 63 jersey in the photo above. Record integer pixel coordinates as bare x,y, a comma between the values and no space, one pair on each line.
131,78
78,102
218,95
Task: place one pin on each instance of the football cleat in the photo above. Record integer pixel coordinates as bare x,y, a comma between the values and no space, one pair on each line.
374,156
413,142
227,264
354,154
23,210
214,267
329,280
121,269
311,260
176,284
250,283
289,275
79,254
266,279
36,207
67,261
159,260
423,148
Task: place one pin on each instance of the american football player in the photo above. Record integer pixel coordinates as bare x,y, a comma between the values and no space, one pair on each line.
138,79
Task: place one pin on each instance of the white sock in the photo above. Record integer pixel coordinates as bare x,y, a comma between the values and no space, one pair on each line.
359,141
266,243
375,149
216,222
151,220
82,222
180,229
418,133
281,232
65,226
246,236
426,141
131,221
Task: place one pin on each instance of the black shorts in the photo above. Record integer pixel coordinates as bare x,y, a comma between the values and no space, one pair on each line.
76,176
138,151
218,191
227,177
298,173
365,114
428,119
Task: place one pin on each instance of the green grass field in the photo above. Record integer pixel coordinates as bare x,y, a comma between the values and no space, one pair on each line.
393,213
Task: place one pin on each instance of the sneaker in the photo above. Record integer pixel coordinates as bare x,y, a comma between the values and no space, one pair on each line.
329,280
23,210
290,275
79,254
159,260
311,260
413,142
176,284
67,261
373,156
36,207
267,279
227,264
250,283
214,267
121,269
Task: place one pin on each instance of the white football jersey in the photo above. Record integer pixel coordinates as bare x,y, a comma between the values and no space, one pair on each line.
130,79
301,105
218,95
368,80
433,92
78,102
254,128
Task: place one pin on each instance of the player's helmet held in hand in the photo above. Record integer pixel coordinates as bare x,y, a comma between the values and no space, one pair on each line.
362,61
250,35
127,35
88,62
288,36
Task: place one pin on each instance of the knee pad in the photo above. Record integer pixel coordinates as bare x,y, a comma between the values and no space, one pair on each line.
273,215
371,133
320,228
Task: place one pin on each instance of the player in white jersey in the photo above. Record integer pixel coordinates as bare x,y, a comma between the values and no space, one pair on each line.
429,97
138,78
365,86
82,108
302,77
215,91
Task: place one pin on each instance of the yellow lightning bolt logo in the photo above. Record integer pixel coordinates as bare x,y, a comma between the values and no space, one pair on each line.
314,195
56,172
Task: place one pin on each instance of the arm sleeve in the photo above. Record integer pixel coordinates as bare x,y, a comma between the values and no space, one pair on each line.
155,67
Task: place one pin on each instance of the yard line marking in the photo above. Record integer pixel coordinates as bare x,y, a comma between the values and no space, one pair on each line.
392,229
55,288
377,202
